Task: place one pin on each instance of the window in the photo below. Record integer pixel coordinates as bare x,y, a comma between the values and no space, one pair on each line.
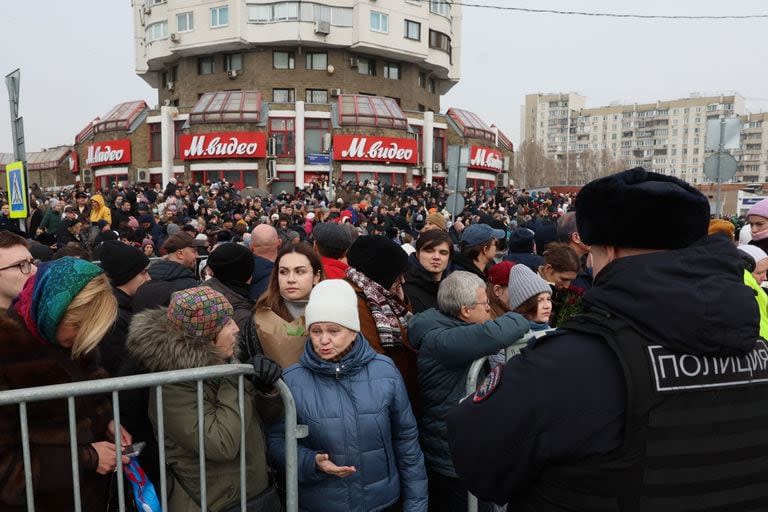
185,22
316,96
233,62
440,41
282,130
301,11
392,70
379,22
205,66
169,76
441,7
155,141
314,131
412,30
431,85
283,60
366,66
438,149
227,106
360,110
422,80
283,95
317,61
219,16
157,31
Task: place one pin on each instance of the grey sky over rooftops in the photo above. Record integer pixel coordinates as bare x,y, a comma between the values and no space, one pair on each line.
76,59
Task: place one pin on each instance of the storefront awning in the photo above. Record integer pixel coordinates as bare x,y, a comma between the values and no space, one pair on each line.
362,110
121,117
503,141
227,106
470,124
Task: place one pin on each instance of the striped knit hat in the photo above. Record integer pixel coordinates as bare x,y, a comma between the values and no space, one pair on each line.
200,312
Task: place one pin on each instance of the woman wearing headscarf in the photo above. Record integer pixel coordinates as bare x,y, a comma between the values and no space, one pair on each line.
196,330
49,337
362,453
377,265
278,328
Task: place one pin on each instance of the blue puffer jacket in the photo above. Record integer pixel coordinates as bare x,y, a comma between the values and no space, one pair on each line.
358,413
447,347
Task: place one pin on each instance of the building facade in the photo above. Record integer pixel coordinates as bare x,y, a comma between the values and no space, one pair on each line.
299,51
668,137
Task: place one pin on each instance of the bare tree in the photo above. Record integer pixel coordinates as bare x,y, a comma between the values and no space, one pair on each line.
532,168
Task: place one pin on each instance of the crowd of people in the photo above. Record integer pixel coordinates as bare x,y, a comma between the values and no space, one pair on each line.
371,302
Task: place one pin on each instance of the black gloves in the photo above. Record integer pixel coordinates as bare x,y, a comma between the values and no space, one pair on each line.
267,372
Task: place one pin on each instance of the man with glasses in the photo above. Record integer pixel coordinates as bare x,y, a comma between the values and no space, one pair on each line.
449,339
16,265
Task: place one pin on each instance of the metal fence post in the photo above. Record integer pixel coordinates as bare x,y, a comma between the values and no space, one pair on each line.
291,448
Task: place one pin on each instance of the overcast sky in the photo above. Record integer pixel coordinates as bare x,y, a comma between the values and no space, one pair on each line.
77,61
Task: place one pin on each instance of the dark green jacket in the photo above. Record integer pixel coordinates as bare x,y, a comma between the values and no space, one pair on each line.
447,348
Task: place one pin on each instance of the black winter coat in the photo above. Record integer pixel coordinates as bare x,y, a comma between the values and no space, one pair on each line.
167,277
112,346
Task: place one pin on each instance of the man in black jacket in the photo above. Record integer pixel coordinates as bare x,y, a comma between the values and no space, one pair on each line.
127,270
174,272
649,401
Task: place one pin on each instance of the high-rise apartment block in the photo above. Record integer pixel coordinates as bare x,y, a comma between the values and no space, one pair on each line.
668,137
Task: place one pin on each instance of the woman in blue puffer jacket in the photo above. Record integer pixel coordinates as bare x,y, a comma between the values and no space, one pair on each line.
362,453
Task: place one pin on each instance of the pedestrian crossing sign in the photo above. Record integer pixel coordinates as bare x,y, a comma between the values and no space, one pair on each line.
17,190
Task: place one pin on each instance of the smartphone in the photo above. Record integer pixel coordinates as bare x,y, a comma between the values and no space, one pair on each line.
134,450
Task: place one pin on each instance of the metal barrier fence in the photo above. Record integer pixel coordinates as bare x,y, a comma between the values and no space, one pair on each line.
70,391
474,374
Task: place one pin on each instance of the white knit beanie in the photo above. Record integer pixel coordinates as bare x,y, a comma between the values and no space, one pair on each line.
524,284
756,253
333,300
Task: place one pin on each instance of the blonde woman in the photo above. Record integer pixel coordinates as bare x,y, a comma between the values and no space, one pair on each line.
64,310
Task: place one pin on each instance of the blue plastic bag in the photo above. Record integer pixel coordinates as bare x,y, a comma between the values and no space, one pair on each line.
144,495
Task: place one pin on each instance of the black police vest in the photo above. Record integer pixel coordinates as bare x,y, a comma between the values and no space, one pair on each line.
696,434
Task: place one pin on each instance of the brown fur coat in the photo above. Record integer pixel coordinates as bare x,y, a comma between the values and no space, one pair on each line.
24,363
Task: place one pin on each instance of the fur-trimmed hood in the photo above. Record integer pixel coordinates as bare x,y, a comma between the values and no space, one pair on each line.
158,346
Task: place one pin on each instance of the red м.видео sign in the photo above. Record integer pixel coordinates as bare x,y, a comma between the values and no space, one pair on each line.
364,148
223,145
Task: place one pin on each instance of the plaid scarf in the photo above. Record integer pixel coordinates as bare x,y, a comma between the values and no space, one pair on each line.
389,314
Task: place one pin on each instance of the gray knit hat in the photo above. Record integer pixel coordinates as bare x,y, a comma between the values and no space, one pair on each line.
524,284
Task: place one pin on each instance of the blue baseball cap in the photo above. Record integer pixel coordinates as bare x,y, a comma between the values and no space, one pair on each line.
479,234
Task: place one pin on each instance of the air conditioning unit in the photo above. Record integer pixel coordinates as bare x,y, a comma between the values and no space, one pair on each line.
271,171
437,167
271,147
142,176
326,142
175,37
323,27
335,92
87,175
353,62
170,84
232,73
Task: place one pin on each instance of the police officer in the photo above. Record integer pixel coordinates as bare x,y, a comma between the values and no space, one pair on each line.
654,399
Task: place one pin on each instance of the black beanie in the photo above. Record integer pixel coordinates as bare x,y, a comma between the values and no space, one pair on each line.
622,209
379,258
122,262
231,263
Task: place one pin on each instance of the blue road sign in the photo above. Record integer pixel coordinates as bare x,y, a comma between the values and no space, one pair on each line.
318,159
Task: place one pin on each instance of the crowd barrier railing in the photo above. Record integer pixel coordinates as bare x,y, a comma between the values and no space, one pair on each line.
113,386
